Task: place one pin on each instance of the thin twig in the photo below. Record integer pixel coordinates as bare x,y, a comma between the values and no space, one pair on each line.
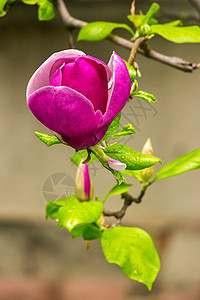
71,39
136,45
196,4
128,200
185,17
178,63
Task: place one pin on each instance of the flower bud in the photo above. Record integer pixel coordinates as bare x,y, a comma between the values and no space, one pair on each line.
84,186
147,173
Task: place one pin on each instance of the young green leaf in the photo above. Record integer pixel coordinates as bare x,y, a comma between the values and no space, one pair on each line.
53,206
134,86
154,8
45,10
126,130
118,175
136,174
2,4
186,34
185,163
145,96
47,139
132,71
133,159
133,250
174,23
30,2
140,20
88,232
97,31
2,11
118,189
113,128
79,213
82,154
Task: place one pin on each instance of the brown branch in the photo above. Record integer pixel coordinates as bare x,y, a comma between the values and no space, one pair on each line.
178,63
178,16
71,38
128,200
134,50
196,4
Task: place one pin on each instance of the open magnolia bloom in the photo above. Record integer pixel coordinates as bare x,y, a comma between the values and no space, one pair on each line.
78,96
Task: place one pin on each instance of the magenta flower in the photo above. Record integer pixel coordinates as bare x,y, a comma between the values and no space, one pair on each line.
78,96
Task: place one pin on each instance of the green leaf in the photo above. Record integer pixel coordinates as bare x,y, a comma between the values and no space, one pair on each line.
186,34
2,11
136,174
118,189
133,250
47,139
99,153
126,130
30,2
51,210
132,71
140,20
145,96
2,4
97,31
154,8
185,163
53,206
113,128
88,232
133,159
45,10
82,154
79,213
134,86
118,175
174,23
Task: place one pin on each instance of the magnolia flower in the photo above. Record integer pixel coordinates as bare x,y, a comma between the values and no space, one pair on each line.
78,96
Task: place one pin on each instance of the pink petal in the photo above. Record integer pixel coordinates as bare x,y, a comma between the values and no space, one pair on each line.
115,164
119,93
89,78
107,69
56,79
87,182
43,74
68,113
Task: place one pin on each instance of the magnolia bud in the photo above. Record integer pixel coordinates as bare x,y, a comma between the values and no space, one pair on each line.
147,173
84,186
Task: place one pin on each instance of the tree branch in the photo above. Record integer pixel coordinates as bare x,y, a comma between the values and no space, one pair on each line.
196,4
128,200
134,50
178,63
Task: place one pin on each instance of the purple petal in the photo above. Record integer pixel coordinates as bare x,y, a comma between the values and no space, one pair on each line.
68,113
89,78
107,69
119,92
115,164
56,79
87,185
43,74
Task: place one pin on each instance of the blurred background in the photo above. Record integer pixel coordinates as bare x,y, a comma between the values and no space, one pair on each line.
39,261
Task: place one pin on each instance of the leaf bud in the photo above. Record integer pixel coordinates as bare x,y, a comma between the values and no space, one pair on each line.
147,173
